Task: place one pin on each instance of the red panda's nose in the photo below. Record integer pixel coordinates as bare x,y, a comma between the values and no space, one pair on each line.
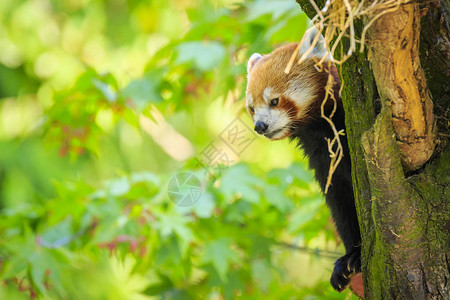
260,127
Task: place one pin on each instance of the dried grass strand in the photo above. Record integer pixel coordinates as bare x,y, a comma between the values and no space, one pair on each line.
337,18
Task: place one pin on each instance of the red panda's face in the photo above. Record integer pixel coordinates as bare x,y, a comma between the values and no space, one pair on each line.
275,100
274,115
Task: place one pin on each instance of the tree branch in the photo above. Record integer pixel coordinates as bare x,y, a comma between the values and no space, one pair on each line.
394,41
399,243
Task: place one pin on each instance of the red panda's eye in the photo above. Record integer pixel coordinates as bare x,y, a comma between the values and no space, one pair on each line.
252,109
274,102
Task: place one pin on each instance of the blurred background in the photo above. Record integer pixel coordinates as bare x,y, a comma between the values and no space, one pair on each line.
128,169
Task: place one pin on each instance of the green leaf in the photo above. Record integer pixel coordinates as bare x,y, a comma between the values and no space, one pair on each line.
294,175
238,211
274,194
274,8
305,214
59,234
142,92
203,208
261,274
300,174
204,55
260,246
144,184
106,89
132,118
44,260
220,255
37,272
119,186
288,28
23,248
171,224
238,180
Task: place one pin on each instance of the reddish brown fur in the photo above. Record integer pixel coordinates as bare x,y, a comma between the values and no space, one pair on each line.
300,119
269,72
289,106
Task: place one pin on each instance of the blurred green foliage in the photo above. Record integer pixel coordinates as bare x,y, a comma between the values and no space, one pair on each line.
101,103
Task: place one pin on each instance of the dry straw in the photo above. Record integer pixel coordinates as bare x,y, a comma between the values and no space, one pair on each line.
334,21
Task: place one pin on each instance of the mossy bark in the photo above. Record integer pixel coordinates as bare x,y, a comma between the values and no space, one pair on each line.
404,216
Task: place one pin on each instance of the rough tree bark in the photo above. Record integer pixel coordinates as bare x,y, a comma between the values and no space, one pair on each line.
398,128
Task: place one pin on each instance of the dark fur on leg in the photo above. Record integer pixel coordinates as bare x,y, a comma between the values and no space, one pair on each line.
339,198
344,268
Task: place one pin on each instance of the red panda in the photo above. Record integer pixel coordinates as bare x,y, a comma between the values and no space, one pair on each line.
289,106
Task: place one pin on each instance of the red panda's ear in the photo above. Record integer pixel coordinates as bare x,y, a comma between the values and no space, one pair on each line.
252,61
313,38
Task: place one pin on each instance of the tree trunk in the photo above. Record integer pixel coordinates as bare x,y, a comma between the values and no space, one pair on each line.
393,127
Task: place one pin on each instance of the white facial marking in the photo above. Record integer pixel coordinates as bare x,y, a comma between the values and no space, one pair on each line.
277,121
262,114
302,95
267,94
279,134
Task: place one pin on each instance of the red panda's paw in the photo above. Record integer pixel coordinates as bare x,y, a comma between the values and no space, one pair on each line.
344,268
